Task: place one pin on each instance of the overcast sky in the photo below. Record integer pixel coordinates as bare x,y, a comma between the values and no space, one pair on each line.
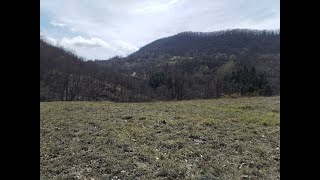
99,29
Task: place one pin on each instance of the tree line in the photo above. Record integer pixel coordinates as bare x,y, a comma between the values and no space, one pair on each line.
159,73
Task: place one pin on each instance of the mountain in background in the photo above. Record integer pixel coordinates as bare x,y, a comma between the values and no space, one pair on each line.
229,41
189,65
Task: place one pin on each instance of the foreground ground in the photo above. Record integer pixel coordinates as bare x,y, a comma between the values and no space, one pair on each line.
200,139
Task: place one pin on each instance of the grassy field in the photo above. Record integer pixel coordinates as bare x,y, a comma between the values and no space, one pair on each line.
198,139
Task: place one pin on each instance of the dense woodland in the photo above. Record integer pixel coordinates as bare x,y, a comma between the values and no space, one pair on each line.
188,65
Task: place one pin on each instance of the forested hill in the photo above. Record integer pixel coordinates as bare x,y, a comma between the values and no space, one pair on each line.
235,41
188,65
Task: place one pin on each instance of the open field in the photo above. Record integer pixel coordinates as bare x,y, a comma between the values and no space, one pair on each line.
198,139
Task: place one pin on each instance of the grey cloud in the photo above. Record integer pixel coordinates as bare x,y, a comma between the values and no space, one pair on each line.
54,23
79,41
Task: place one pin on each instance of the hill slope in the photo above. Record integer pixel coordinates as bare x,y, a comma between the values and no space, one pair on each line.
188,65
66,77
228,41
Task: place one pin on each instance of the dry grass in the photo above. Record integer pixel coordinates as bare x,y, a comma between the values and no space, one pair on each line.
199,139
